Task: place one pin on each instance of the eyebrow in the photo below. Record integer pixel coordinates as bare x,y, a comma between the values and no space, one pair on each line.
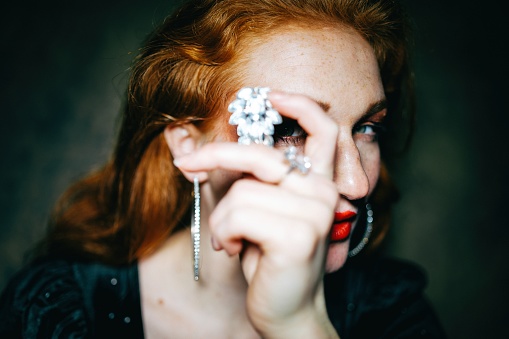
325,106
372,110
375,108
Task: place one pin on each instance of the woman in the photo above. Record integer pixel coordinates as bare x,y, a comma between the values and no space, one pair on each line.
271,227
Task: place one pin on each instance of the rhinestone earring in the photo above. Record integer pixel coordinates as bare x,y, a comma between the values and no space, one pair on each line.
367,233
195,229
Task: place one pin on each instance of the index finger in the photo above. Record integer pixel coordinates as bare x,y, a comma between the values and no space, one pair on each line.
321,129
265,163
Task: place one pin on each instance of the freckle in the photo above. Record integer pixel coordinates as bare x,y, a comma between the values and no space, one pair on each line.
160,301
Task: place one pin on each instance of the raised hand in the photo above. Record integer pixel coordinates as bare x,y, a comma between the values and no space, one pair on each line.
278,220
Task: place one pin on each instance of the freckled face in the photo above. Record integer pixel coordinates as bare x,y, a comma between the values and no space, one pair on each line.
337,68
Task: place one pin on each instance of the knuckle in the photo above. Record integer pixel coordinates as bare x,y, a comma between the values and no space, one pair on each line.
241,186
236,188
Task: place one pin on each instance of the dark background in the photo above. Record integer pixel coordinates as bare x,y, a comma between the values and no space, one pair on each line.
63,69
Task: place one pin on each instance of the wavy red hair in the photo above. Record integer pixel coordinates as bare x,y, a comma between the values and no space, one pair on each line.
185,72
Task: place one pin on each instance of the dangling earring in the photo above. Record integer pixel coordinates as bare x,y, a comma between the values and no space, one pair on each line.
367,232
195,229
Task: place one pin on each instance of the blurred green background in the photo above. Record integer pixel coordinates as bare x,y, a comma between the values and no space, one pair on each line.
63,71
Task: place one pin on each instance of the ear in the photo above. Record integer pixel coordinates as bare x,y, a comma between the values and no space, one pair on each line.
182,140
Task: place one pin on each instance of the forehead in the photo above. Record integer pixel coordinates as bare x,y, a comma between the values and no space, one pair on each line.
334,65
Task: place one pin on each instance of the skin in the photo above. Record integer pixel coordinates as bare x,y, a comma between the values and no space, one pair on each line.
277,223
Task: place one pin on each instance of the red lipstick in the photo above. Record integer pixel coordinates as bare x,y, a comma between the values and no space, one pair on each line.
342,225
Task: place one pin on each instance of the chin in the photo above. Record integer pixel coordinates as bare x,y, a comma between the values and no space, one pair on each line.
336,256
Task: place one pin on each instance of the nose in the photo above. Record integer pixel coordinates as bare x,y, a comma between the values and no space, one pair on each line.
349,175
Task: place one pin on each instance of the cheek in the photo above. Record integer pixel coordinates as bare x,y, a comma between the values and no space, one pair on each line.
221,181
336,256
370,160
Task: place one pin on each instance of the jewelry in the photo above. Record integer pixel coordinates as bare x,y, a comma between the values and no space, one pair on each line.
195,229
297,161
367,232
254,116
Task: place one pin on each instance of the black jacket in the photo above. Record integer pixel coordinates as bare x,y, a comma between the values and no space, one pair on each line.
378,298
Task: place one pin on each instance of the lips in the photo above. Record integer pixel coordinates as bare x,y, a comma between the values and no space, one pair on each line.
342,225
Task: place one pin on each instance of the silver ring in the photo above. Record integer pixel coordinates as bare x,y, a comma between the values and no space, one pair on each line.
254,116
299,162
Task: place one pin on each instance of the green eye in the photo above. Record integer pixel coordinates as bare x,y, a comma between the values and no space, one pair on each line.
371,130
366,129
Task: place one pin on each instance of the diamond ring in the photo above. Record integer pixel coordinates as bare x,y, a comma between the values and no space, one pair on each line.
299,162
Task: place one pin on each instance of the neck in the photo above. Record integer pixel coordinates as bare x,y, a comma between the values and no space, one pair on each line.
218,270
216,267
168,290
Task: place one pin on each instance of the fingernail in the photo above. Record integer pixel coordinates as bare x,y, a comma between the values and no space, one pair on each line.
277,95
215,244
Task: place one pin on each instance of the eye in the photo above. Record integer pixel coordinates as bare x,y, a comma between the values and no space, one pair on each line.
369,130
366,129
289,132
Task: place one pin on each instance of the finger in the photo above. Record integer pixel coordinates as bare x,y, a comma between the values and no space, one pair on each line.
274,234
273,224
265,163
250,258
321,129
311,200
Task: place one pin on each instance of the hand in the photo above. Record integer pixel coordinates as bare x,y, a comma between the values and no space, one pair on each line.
277,222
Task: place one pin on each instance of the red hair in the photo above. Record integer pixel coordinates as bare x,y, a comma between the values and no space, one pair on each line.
185,73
